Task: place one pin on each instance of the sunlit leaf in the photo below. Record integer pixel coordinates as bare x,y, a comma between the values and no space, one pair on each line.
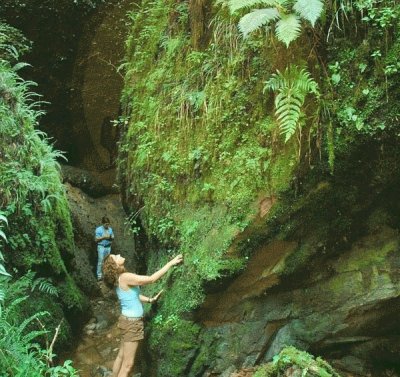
254,20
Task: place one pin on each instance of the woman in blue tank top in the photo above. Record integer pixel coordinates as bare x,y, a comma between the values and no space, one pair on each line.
131,320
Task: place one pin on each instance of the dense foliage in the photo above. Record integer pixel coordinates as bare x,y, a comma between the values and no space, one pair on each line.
200,146
32,198
204,110
21,331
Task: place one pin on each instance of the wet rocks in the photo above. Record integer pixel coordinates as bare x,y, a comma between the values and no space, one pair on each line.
345,309
101,371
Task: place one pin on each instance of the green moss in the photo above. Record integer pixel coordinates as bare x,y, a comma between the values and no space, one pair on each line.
204,355
71,295
205,235
299,259
378,219
371,252
199,145
282,170
173,340
196,131
368,72
63,228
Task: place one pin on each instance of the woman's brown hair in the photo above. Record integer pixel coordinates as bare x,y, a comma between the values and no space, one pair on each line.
111,271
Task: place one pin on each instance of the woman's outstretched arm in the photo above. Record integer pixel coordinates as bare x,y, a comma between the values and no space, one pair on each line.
128,278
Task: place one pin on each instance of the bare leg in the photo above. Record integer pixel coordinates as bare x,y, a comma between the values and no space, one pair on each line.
118,361
128,358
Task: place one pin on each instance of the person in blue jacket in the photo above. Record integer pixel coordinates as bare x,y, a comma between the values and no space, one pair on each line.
104,236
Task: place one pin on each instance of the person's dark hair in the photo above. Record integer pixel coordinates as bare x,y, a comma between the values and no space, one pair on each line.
111,271
105,220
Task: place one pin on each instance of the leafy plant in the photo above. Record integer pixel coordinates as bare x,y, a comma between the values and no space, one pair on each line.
287,14
298,363
291,88
12,43
378,13
20,354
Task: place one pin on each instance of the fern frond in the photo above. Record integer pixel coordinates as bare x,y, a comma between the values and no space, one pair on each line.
310,10
235,5
10,308
33,335
2,269
20,286
20,65
3,235
288,111
303,81
45,286
274,83
254,20
288,28
26,322
291,88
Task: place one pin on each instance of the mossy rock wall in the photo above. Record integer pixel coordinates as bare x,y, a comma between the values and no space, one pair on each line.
284,243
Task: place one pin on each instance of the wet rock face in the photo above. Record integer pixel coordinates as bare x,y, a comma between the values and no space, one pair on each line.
344,309
76,50
92,183
97,85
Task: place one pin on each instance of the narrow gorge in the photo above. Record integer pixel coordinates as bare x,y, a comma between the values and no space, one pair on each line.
257,138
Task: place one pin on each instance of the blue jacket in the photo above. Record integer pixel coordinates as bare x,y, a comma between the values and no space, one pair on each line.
101,232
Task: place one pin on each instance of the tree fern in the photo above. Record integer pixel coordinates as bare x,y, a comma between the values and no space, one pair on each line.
309,9
256,19
235,5
291,88
288,26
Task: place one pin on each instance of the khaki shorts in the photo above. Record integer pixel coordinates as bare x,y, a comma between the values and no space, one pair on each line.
132,329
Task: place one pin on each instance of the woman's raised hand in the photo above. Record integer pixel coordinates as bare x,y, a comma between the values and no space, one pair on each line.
178,259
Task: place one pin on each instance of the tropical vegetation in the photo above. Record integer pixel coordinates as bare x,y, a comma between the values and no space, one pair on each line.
36,231
261,105
242,122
